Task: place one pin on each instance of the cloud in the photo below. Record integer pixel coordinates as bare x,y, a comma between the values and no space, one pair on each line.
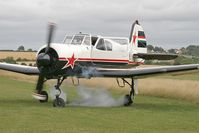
167,23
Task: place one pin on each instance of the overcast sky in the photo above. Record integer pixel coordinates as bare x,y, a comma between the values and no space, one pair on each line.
167,23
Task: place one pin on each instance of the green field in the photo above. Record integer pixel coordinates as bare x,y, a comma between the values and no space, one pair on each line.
193,76
20,113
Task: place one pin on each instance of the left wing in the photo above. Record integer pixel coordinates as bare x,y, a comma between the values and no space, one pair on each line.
142,72
20,68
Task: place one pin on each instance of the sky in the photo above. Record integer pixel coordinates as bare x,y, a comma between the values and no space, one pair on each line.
167,23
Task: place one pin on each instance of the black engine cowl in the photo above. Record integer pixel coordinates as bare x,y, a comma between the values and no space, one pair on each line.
47,60
43,60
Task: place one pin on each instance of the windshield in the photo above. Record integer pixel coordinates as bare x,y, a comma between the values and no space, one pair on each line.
77,40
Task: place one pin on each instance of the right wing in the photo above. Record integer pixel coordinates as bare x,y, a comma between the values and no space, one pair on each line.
20,68
142,72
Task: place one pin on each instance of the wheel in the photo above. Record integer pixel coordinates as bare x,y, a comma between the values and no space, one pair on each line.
127,100
45,94
58,102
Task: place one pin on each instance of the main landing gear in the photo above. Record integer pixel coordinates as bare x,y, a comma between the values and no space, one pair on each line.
42,96
128,98
45,95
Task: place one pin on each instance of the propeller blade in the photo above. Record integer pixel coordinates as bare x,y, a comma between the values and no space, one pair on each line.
51,29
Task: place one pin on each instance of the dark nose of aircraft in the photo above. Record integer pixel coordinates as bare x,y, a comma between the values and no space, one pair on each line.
43,60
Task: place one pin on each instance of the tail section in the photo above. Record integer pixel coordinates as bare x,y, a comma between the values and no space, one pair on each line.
137,38
138,46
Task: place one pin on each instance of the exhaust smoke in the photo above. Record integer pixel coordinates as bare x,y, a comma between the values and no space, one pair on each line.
95,98
54,92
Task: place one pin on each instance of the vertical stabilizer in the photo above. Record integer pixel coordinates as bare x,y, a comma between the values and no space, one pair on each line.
137,38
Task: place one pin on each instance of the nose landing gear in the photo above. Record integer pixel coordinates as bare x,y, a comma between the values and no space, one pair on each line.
58,101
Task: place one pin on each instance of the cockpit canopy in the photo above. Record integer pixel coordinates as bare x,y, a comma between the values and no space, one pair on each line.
86,39
80,39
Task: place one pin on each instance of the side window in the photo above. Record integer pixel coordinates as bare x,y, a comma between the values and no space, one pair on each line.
93,40
101,45
108,46
87,41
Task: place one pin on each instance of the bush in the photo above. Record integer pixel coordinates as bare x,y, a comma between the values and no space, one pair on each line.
21,48
183,60
22,59
18,59
23,64
29,50
9,60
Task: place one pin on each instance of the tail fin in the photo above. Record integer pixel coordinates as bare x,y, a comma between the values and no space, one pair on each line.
137,38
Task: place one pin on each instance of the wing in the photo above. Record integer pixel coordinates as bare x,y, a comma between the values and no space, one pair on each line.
143,72
19,68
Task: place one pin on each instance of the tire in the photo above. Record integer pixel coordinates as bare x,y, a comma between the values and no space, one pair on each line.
45,94
58,102
127,100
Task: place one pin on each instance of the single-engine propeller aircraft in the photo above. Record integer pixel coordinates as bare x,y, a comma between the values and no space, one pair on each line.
87,56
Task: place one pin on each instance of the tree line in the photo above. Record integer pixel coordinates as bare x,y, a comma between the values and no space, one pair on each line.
21,48
191,50
187,55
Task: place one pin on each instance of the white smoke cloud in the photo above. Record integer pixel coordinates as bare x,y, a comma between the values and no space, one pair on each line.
97,97
54,92
90,72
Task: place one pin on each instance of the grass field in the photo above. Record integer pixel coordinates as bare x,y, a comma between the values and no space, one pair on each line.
20,113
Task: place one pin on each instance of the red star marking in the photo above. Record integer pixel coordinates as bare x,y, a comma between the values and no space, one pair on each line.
71,62
134,38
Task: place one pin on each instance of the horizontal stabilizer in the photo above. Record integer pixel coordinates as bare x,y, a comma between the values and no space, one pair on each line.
156,56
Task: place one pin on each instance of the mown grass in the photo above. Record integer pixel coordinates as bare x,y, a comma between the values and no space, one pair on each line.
192,76
20,113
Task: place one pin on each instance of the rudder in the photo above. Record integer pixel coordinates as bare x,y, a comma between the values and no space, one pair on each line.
137,38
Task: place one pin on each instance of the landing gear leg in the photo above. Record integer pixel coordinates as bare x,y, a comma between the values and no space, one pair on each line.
128,99
59,102
40,94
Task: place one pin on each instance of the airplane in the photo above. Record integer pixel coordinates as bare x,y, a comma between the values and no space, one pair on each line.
88,56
